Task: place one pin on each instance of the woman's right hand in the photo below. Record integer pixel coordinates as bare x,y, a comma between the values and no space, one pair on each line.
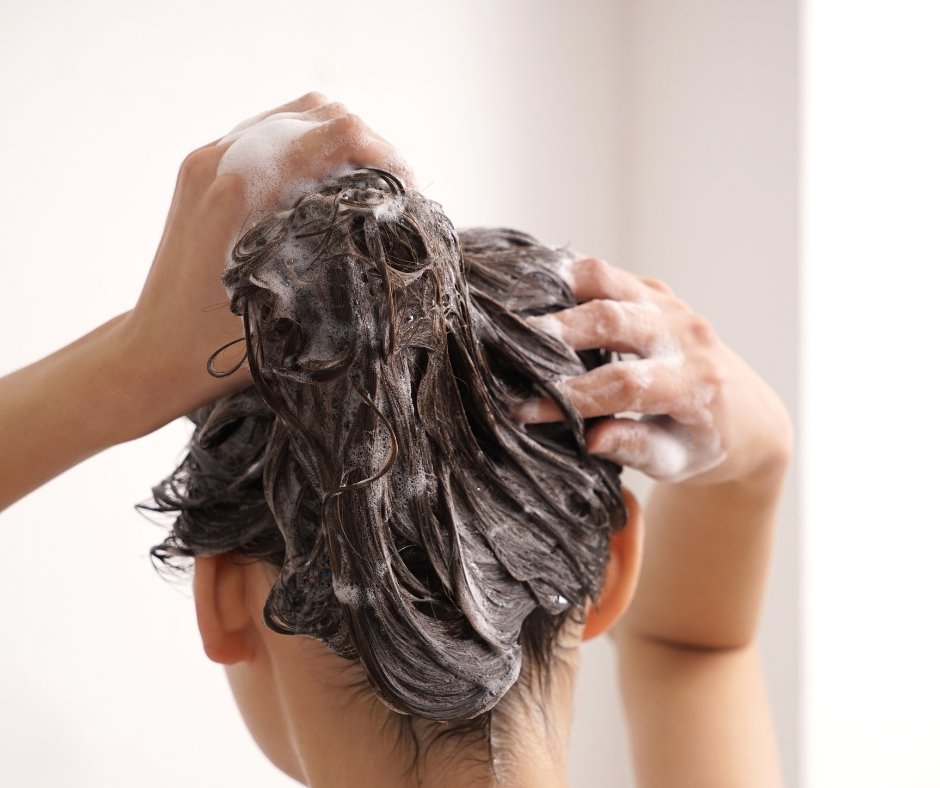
182,316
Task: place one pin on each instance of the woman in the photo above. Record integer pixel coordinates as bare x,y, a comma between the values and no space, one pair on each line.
716,436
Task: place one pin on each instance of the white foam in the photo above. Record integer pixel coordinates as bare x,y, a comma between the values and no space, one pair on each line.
528,412
672,451
260,148
666,457
548,324
564,271
254,119
665,354
259,152
346,594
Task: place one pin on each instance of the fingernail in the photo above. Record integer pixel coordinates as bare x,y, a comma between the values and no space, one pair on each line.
548,324
527,412
603,446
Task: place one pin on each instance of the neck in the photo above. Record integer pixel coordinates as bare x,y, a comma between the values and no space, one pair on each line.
341,735
314,715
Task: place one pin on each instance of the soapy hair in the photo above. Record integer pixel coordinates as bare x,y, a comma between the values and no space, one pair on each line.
416,526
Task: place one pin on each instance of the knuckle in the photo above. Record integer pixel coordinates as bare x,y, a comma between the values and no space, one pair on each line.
657,284
710,372
312,100
596,267
702,330
224,193
606,309
354,121
198,164
334,108
608,316
346,124
601,276
625,380
226,186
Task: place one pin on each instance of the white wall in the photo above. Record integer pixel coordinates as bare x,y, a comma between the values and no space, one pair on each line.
871,212
660,135
710,158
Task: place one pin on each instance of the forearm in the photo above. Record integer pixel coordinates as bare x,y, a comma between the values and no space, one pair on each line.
65,408
706,562
697,718
690,673
143,369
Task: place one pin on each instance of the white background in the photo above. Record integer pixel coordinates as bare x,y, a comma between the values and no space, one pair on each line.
871,212
660,134
509,116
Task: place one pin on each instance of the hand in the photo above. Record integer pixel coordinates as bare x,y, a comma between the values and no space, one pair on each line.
182,316
704,415
144,368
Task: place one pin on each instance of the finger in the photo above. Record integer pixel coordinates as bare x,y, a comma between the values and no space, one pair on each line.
305,103
298,108
660,448
649,386
336,109
591,278
656,284
619,326
344,140
326,111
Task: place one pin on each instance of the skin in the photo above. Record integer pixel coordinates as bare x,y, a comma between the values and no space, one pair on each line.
293,692
689,668
715,436
147,367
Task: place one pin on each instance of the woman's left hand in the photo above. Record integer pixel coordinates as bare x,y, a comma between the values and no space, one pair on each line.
146,367
699,413
182,317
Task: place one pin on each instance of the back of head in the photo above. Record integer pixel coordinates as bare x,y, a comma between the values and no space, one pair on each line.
416,526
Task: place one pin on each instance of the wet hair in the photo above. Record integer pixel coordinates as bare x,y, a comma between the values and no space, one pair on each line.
415,525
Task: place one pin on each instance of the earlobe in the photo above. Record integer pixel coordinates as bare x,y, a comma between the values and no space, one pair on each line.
623,572
221,609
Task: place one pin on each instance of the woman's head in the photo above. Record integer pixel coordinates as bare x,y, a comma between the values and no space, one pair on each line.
413,525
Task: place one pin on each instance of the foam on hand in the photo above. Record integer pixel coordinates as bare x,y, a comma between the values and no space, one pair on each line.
259,153
676,439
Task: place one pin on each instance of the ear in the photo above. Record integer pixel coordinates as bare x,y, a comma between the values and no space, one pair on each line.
623,572
222,609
